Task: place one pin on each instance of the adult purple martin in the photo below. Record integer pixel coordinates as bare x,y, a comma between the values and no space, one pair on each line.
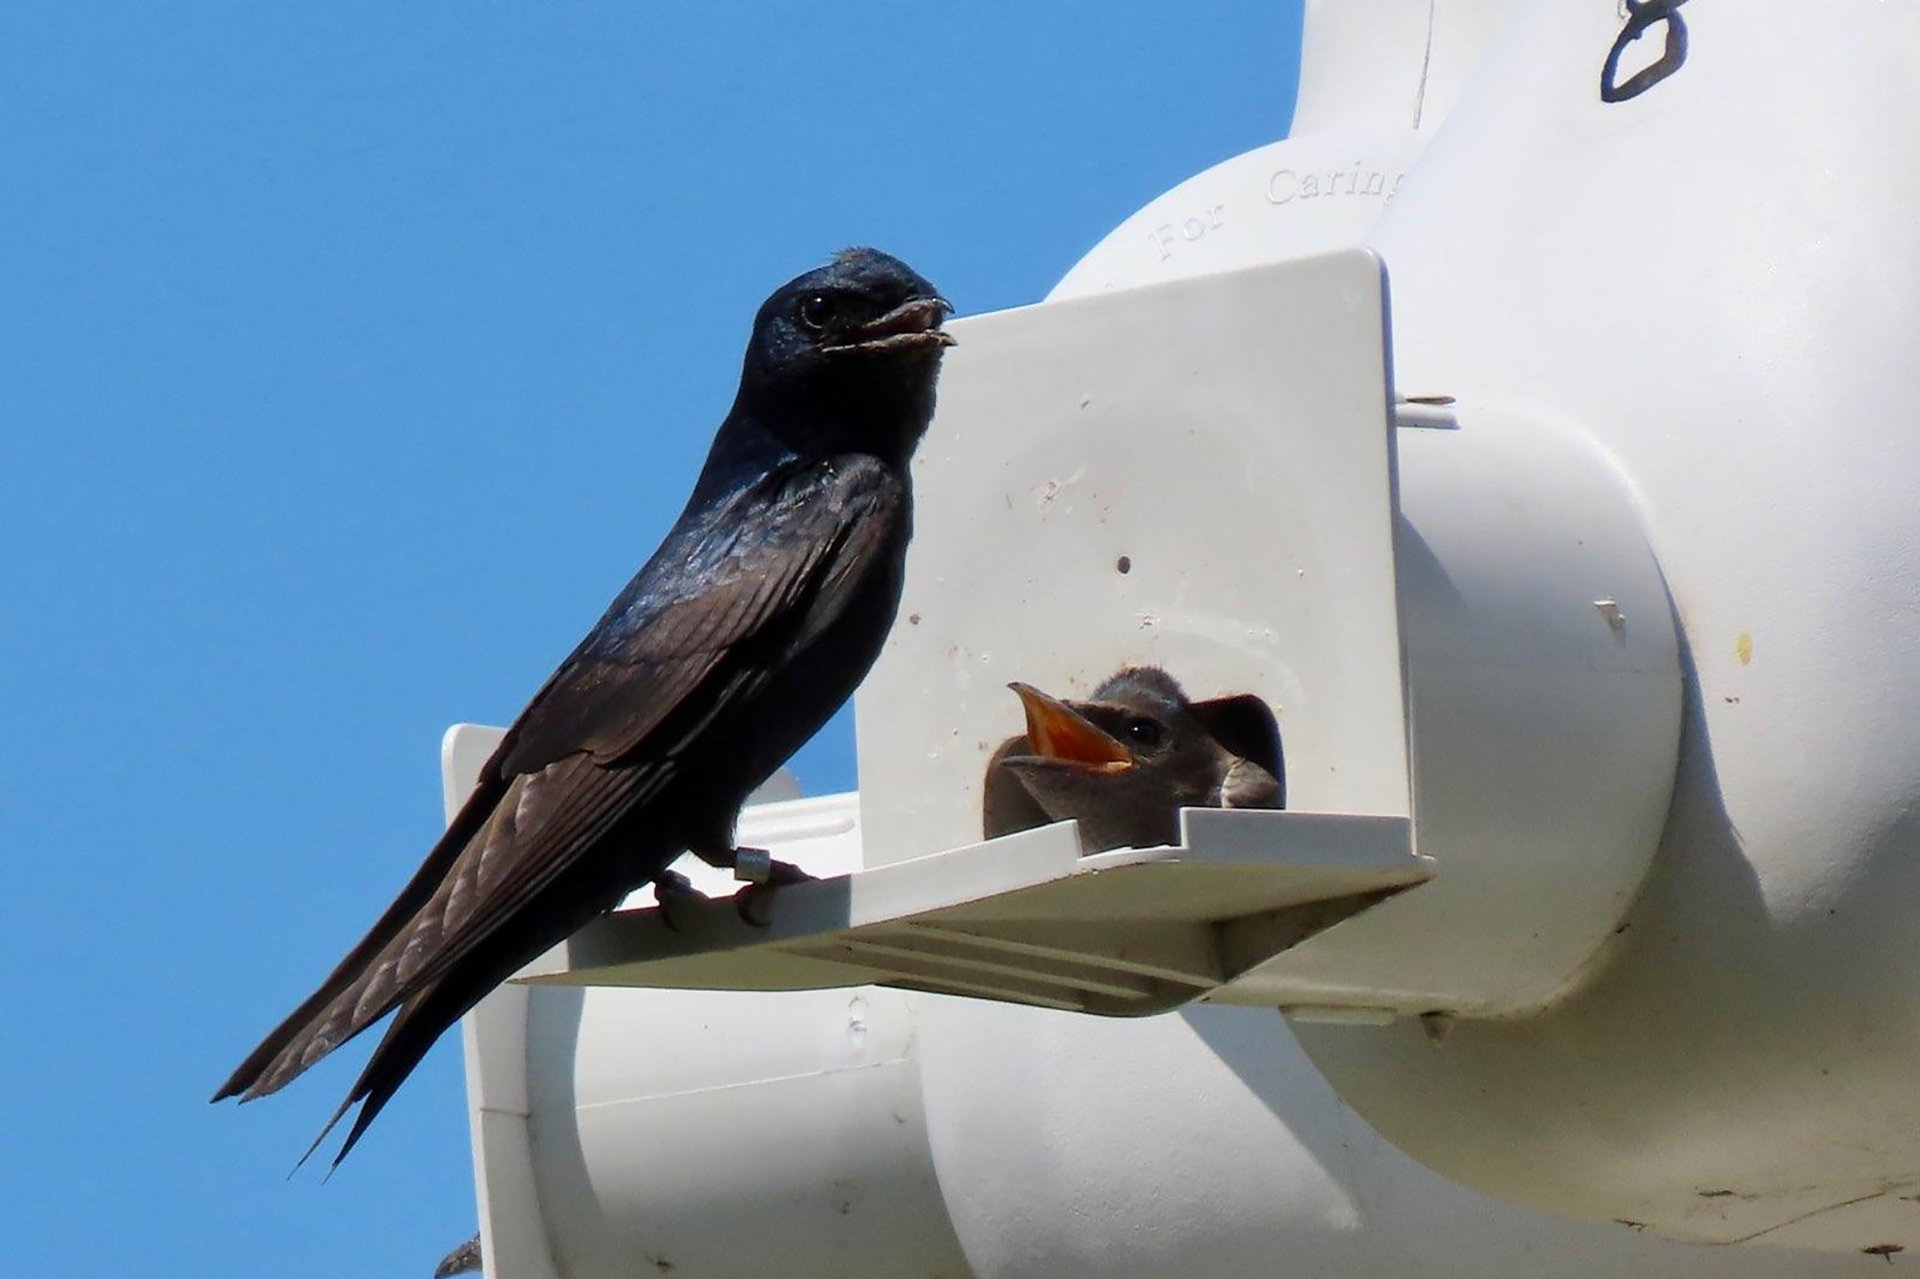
1125,761
756,617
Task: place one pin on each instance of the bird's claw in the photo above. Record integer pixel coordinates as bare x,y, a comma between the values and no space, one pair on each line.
670,888
461,1261
762,874
755,901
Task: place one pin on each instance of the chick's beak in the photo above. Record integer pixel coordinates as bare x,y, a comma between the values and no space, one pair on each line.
1059,732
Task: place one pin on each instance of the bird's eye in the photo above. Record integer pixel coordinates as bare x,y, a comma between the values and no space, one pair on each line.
816,309
1143,732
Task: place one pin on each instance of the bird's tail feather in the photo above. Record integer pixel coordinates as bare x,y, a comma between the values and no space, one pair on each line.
318,1025
415,1029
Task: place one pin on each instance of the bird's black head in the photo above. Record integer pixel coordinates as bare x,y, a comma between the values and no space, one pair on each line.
1146,711
844,358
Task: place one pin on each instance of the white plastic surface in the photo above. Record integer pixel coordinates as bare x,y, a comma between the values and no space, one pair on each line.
1027,919
1719,281
1545,691
1198,478
1388,67
1376,80
1711,285
1225,439
794,1134
1304,195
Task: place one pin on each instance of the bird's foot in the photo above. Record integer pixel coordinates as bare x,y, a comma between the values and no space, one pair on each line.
755,901
672,889
462,1260
750,864
762,874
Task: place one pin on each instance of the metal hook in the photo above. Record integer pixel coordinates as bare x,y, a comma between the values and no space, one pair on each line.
1642,14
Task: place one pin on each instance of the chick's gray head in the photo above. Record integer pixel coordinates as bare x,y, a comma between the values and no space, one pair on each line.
1125,761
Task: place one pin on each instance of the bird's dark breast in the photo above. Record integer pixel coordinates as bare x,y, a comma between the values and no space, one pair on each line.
796,698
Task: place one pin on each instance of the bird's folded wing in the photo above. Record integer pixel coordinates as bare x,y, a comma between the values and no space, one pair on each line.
739,589
614,716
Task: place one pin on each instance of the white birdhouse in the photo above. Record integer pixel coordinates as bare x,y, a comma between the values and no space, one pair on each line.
1525,433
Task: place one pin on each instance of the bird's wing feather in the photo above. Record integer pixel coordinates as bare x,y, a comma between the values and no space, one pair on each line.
765,597
702,597
677,649
1247,785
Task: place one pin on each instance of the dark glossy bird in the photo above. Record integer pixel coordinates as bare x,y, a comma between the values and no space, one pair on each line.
755,618
1126,760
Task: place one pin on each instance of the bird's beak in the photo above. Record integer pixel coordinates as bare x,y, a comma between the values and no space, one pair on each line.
914,324
1059,732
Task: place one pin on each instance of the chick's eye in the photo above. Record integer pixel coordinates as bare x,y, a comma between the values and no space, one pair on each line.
1143,732
815,310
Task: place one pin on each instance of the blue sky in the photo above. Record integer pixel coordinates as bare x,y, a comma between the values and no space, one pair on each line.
351,357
